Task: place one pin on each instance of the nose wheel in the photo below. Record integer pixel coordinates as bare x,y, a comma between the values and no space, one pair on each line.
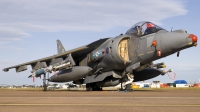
126,83
123,87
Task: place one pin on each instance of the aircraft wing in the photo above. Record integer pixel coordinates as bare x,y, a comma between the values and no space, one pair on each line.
76,53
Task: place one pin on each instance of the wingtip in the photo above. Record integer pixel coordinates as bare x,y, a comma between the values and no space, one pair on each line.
6,69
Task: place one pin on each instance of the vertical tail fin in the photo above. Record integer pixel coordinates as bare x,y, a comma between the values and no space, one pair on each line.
60,47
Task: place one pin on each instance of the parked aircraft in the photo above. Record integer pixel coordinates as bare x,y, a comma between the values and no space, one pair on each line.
108,62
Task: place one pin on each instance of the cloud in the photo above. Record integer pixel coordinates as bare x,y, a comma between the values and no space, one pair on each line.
12,48
11,34
19,18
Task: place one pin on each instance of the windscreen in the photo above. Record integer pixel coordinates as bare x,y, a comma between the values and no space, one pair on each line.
144,28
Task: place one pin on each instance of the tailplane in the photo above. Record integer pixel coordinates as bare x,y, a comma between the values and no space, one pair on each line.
60,47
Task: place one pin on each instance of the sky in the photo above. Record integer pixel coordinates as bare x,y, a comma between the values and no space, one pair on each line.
29,30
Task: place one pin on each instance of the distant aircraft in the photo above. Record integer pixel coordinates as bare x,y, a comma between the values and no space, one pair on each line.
110,61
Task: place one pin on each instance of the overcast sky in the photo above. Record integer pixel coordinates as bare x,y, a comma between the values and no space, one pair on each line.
29,30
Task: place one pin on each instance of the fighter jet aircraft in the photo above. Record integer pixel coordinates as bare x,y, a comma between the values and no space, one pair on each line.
108,62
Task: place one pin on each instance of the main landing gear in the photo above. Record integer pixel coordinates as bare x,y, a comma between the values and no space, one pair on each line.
93,87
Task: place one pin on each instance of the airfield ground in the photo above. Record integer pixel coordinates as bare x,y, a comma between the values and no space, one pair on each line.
141,100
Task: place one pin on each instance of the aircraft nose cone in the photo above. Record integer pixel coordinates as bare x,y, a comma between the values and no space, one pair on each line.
175,41
193,37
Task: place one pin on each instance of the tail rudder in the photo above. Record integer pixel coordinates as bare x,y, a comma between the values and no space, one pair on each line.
60,47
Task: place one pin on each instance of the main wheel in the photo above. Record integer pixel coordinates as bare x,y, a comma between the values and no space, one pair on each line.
93,87
88,87
96,88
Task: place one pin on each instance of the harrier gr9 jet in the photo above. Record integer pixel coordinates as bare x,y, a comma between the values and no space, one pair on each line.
110,61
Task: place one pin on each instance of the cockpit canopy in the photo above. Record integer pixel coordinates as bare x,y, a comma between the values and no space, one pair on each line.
144,28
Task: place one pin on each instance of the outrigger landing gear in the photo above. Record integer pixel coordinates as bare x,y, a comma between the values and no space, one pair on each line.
44,83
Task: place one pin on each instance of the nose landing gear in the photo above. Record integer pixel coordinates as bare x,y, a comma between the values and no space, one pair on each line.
126,83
